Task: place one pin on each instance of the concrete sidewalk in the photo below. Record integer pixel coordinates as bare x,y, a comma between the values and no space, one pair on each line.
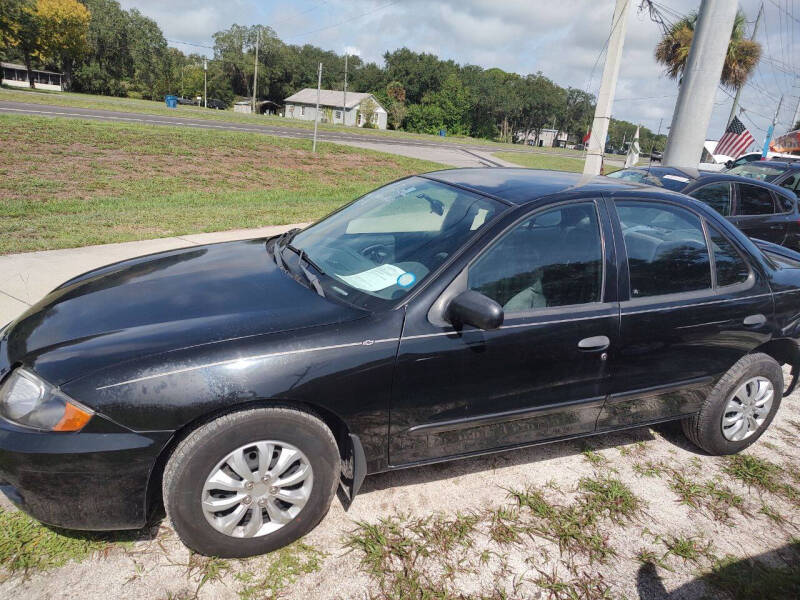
26,278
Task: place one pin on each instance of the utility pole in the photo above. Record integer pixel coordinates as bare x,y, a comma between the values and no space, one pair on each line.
608,85
796,117
255,70
344,98
735,105
771,130
712,36
653,145
316,112
205,82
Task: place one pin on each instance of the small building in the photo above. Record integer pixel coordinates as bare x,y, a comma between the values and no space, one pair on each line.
263,107
360,109
550,138
17,76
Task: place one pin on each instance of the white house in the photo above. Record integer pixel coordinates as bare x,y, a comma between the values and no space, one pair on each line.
547,138
17,76
303,105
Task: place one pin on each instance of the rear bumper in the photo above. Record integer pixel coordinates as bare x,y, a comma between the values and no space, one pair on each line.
95,481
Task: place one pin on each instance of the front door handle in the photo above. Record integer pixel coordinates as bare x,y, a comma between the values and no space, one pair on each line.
776,226
596,343
754,320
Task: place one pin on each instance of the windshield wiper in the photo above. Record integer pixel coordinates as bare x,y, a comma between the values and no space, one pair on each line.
278,245
312,279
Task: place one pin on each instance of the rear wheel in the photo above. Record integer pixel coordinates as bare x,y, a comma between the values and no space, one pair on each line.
740,408
250,482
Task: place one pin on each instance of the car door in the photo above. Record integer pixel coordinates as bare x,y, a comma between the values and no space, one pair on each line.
691,306
543,373
756,214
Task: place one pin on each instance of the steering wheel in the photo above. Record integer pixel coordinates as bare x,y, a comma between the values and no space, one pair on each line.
377,253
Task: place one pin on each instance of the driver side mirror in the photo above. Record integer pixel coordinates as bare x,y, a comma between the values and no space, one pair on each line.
473,308
729,164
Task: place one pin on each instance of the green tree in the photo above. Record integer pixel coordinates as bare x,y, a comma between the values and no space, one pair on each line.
108,61
64,25
149,56
396,95
741,59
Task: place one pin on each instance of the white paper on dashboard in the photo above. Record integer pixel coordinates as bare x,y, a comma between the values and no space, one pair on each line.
375,279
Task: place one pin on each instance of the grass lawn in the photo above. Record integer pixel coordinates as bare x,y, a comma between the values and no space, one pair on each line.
67,99
544,161
68,182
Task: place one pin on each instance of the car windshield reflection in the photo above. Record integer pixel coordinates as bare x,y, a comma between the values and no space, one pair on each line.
380,247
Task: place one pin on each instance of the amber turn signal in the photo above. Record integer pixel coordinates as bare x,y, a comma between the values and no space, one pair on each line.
74,419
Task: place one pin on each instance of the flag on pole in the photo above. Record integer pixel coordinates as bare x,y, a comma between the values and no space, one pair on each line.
735,141
633,151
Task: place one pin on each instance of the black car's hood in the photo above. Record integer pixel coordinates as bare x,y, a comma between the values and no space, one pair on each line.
164,302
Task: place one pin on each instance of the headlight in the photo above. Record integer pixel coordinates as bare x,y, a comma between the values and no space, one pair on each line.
28,400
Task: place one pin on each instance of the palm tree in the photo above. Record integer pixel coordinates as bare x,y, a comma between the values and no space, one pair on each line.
742,58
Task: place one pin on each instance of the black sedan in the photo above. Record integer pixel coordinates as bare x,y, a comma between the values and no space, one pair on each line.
441,316
785,174
759,208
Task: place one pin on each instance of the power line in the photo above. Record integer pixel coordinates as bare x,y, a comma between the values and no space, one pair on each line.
780,8
300,35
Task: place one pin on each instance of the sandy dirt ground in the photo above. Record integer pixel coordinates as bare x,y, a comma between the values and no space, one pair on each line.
453,530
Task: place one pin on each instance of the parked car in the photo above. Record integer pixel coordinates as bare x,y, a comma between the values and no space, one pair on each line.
760,209
217,104
784,174
756,156
656,156
186,101
441,316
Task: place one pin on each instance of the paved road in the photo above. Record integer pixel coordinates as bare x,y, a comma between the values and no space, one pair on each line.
452,153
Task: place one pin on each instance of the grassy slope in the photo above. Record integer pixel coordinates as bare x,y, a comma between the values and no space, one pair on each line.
67,183
196,112
543,161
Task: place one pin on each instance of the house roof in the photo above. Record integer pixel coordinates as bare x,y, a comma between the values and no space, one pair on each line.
24,68
334,98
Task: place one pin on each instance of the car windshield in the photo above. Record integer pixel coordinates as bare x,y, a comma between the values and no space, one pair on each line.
670,181
757,170
377,249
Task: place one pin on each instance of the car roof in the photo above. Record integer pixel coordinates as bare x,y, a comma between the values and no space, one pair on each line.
518,185
697,177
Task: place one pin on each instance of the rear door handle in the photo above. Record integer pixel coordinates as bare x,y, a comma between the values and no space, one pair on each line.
754,320
776,226
596,343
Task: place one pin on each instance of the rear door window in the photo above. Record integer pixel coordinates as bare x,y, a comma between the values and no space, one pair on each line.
716,195
792,182
666,247
755,200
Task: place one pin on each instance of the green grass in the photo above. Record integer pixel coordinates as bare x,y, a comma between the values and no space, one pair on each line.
67,183
68,99
27,545
543,161
284,567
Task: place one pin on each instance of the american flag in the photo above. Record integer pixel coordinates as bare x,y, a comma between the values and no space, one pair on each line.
735,141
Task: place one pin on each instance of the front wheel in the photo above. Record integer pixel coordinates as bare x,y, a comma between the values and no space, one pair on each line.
740,408
250,482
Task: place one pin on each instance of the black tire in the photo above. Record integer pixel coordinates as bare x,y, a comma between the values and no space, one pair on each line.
194,458
704,429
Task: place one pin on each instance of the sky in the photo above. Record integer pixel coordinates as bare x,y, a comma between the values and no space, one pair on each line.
564,39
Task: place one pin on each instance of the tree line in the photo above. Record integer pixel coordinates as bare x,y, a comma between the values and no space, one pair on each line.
103,49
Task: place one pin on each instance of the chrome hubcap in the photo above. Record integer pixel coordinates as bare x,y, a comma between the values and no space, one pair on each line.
257,489
747,409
